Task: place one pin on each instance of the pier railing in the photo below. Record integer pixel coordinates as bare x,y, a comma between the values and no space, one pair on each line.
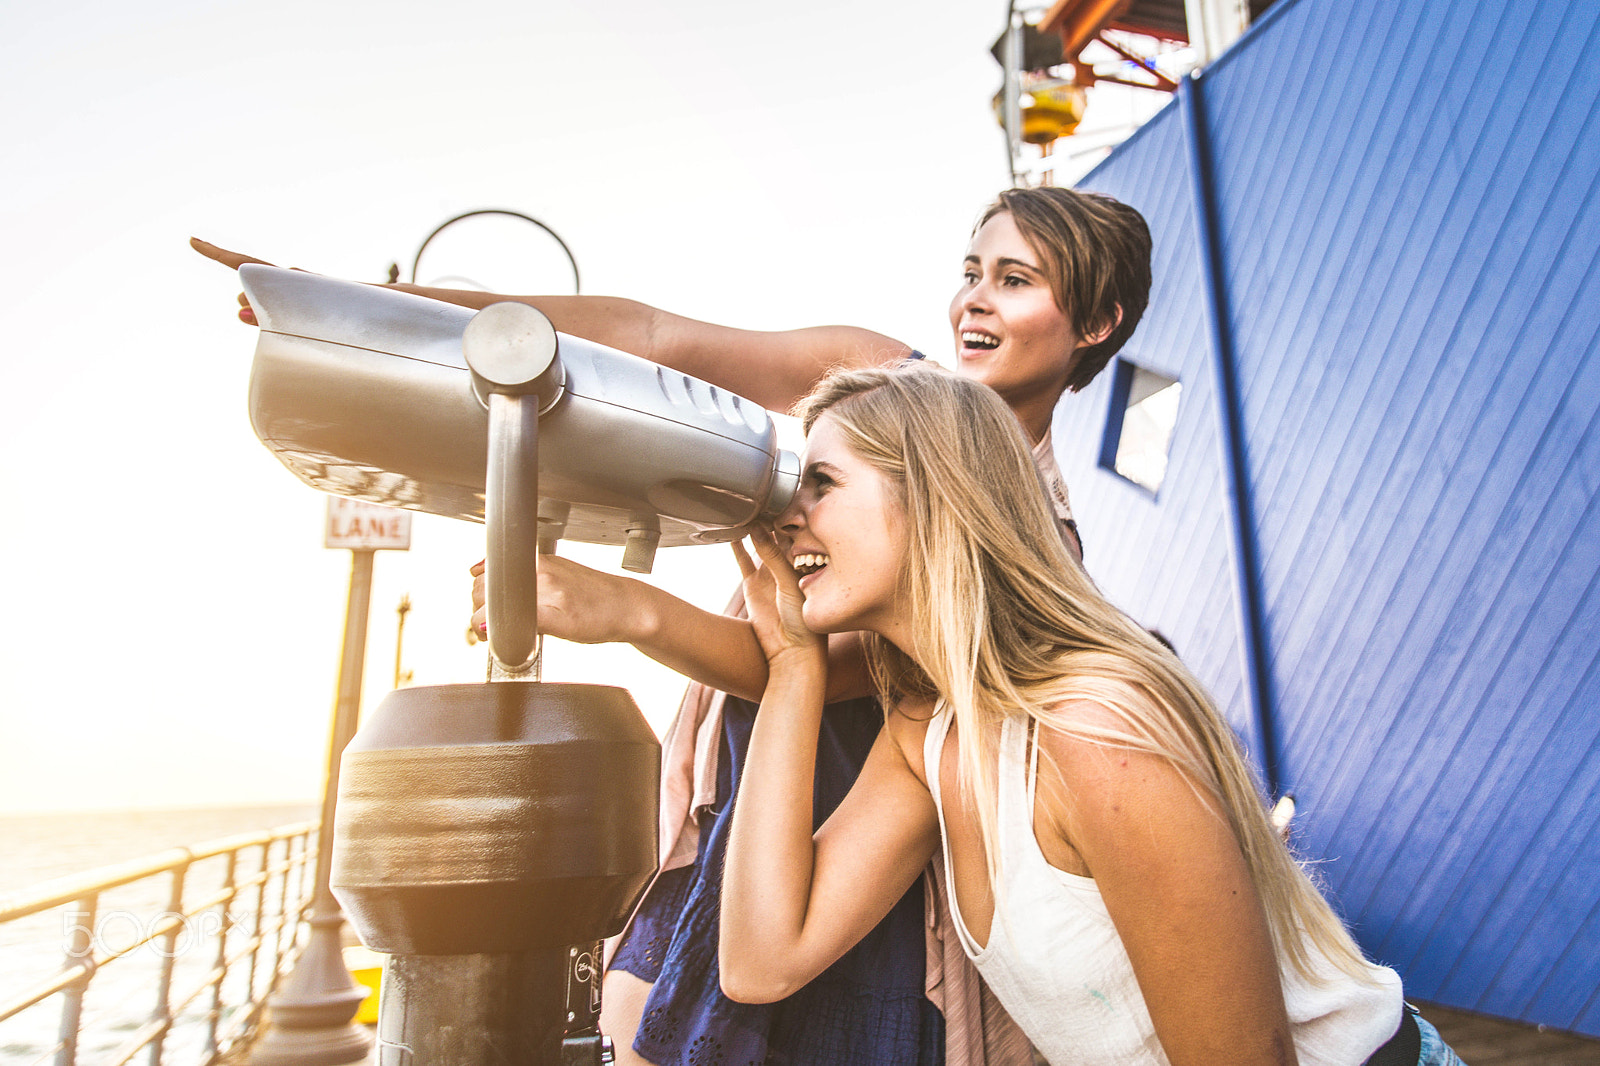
198,970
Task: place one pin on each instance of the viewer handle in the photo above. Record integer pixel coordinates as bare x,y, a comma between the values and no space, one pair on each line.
511,349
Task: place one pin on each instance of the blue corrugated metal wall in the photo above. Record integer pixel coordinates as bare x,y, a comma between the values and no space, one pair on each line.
1408,227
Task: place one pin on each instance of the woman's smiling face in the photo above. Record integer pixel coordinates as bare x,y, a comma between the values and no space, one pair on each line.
847,539
1009,333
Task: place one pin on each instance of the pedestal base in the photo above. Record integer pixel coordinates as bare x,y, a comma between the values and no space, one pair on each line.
309,1018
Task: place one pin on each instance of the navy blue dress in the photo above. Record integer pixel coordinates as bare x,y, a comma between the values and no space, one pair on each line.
867,1008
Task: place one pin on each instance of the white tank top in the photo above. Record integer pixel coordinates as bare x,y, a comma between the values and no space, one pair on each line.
1056,963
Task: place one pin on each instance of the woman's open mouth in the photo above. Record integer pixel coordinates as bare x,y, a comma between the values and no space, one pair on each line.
808,563
981,341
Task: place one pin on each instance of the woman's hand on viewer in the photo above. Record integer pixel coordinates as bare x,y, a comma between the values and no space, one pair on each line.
775,603
576,603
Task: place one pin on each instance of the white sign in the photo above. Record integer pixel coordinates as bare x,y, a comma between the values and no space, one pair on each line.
366,526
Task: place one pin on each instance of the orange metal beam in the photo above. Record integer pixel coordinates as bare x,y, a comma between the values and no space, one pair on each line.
1164,83
1133,26
1079,21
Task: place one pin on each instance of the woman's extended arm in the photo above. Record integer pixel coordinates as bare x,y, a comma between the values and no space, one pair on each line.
774,369
592,607
794,902
1177,888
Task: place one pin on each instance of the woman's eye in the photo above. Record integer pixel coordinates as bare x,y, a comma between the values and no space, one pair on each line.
815,482
1015,280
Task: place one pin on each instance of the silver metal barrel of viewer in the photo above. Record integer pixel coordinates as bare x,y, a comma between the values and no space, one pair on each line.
488,837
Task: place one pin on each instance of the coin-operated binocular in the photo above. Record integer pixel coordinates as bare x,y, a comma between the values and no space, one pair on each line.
488,837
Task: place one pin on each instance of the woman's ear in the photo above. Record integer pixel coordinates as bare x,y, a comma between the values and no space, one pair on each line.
1095,336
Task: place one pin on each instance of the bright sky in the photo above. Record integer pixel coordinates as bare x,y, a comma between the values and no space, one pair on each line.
169,622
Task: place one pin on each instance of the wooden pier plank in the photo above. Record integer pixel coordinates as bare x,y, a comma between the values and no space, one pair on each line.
1485,1041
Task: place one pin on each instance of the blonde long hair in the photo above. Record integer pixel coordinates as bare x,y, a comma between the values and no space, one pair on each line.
1006,624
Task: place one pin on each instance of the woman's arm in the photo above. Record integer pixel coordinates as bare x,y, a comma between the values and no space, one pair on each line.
774,369
589,606
1177,888
793,903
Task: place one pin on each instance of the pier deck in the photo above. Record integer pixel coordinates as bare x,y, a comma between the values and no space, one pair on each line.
1482,1041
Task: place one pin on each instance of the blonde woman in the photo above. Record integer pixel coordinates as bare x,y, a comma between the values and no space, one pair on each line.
1114,873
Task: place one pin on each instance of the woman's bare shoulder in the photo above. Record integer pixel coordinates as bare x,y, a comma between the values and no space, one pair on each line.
1081,727
1104,779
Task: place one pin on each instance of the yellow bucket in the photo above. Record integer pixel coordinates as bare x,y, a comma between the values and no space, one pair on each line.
366,967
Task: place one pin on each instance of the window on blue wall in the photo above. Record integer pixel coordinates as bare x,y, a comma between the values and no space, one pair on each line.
1144,410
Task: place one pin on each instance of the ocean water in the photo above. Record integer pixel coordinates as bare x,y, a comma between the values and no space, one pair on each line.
42,847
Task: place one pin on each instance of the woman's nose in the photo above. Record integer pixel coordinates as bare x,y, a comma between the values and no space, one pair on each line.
975,297
792,518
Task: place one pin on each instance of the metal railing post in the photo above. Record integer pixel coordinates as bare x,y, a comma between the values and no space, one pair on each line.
284,926
80,951
219,965
261,908
162,1013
